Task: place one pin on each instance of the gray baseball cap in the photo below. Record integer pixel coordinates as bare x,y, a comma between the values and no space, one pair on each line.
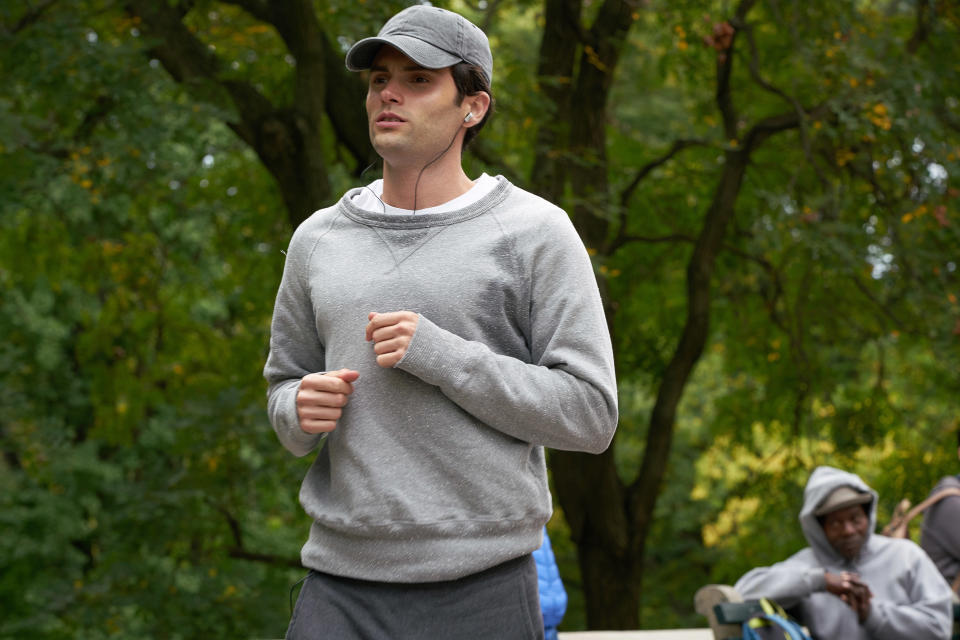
432,37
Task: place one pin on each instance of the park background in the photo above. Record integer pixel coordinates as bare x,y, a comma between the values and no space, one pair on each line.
768,188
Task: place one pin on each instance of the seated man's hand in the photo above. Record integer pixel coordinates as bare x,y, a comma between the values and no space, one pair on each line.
849,588
861,604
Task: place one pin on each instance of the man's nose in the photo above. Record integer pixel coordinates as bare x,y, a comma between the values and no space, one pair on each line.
391,92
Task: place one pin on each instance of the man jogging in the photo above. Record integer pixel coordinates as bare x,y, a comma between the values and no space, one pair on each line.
432,334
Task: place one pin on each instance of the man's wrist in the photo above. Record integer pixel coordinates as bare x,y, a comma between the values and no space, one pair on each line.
817,579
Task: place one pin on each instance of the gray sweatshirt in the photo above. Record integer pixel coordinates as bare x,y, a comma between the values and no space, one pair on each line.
436,468
940,535
911,600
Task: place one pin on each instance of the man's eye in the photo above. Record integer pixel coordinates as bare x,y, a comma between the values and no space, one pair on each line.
421,79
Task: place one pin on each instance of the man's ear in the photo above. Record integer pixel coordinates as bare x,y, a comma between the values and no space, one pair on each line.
478,103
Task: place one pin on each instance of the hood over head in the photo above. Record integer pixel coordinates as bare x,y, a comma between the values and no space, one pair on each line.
821,484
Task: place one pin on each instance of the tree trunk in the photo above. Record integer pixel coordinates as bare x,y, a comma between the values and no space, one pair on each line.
609,522
558,48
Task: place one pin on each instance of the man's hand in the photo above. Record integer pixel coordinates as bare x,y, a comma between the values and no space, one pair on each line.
321,398
861,604
849,588
391,334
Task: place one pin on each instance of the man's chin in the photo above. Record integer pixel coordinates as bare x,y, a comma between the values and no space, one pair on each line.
387,143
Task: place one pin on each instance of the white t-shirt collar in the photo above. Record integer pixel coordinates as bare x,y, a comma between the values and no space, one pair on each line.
368,198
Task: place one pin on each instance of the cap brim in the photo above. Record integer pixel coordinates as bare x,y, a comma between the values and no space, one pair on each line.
863,498
361,55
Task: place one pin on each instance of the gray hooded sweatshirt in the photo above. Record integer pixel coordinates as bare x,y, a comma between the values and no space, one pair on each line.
436,468
940,535
911,600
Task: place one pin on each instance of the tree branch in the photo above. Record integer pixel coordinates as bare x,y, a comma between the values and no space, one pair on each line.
266,558
623,240
793,102
724,97
321,81
924,26
644,171
555,67
238,551
189,61
768,126
287,140
259,9
862,288
588,139
32,16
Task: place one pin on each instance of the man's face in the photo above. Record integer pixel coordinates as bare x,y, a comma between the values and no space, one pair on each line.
846,530
412,112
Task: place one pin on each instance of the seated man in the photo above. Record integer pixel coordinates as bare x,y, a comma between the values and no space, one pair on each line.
850,583
940,535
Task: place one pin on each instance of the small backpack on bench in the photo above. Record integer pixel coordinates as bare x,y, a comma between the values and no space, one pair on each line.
772,624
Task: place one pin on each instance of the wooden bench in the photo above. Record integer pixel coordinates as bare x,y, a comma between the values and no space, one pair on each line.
726,611
663,634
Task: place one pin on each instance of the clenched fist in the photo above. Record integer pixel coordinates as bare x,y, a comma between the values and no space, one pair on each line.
321,398
391,334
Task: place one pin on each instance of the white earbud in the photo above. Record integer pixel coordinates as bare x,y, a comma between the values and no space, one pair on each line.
468,117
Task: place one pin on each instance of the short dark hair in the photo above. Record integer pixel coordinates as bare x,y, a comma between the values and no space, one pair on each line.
470,80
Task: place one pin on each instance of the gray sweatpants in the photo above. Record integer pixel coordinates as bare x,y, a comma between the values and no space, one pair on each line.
501,603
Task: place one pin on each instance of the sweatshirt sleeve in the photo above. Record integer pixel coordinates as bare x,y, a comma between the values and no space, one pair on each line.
295,350
929,614
566,397
786,582
940,524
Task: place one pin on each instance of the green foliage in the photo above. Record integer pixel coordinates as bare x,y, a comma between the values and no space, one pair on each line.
140,239
138,263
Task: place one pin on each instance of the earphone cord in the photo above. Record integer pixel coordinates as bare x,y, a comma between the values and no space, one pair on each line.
382,204
416,185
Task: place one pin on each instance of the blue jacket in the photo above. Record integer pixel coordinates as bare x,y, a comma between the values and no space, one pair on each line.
553,597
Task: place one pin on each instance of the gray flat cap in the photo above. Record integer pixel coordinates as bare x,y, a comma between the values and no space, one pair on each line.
841,498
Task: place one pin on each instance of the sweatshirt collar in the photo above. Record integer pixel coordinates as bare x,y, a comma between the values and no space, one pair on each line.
419,220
